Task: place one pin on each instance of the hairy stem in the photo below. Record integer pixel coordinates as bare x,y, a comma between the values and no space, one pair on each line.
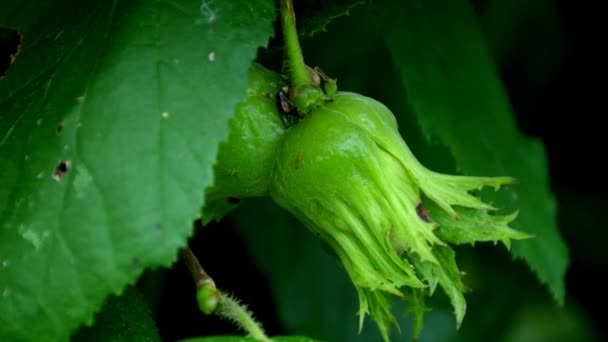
211,300
295,60
231,309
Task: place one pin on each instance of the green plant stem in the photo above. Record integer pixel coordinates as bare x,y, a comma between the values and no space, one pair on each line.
231,309
198,273
227,306
295,60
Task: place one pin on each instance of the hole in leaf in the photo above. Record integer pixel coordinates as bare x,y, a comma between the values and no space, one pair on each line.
59,129
233,200
62,168
10,42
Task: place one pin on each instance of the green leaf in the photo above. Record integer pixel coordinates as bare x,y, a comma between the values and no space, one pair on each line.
317,15
247,339
123,318
506,26
453,87
111,117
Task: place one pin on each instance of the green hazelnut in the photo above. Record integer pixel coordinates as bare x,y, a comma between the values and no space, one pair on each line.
346,173
246,157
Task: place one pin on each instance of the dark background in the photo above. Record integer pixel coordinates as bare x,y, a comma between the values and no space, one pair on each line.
563,107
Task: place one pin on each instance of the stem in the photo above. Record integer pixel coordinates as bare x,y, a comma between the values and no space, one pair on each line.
230,308
198,273
297,68
219,303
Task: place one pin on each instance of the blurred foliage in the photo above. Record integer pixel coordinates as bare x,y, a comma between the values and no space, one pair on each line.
247,339
315,15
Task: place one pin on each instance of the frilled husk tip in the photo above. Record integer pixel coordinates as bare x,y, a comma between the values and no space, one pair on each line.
345,172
